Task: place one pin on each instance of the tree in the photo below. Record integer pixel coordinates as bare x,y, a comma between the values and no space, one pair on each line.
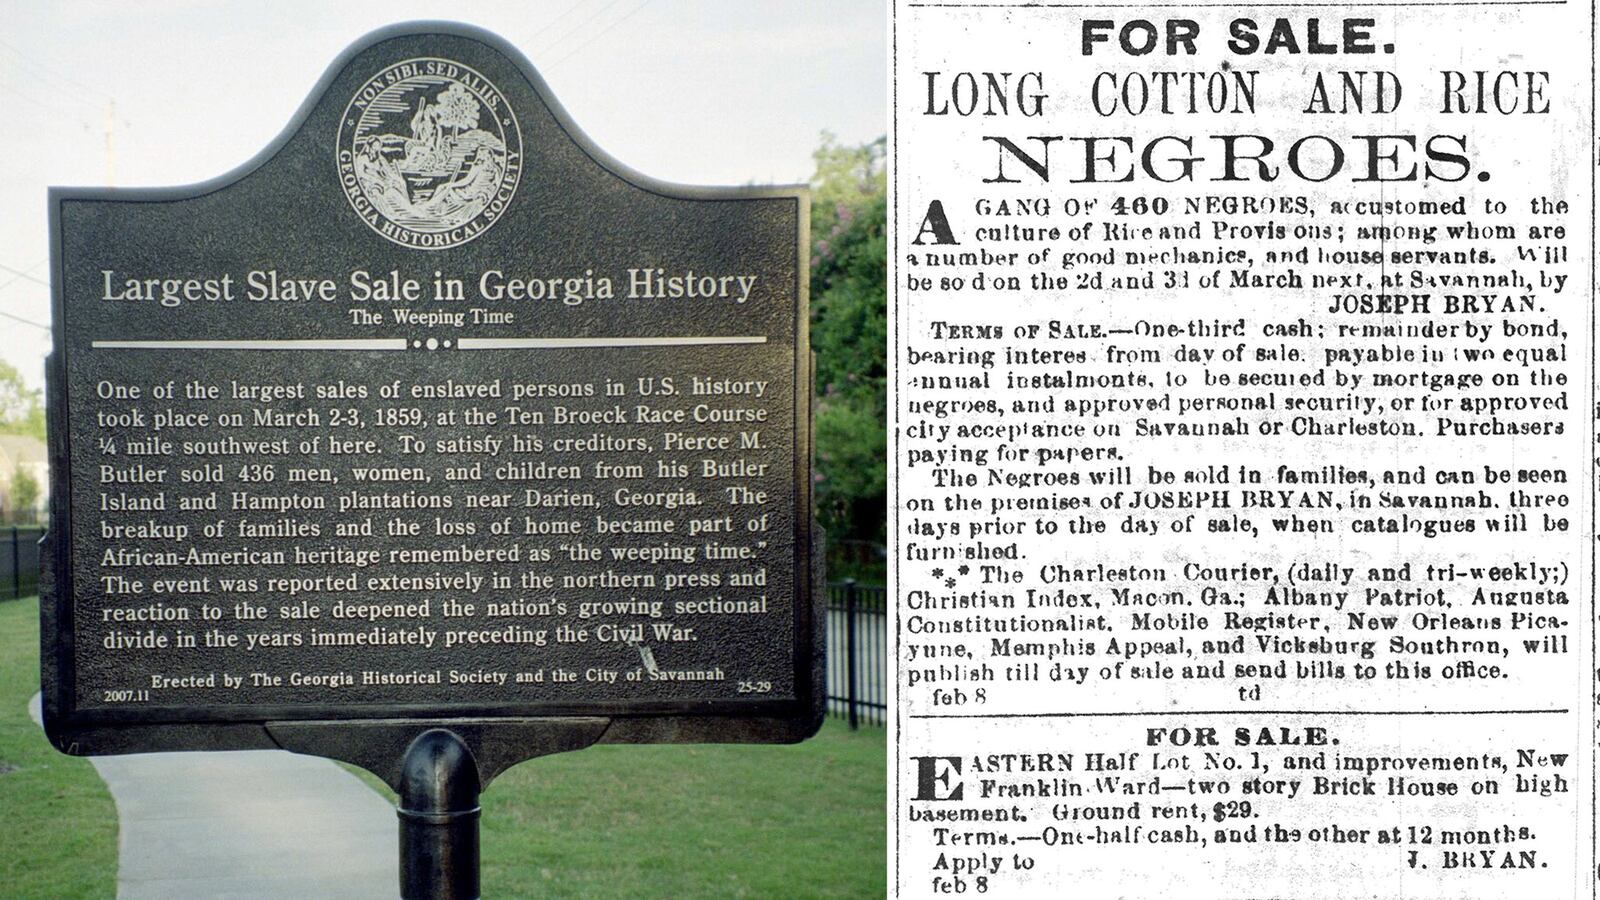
456,109
849,332
21,407
24,495
847,178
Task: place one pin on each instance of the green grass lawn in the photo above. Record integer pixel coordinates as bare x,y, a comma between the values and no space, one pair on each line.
58,831
631,821
690,821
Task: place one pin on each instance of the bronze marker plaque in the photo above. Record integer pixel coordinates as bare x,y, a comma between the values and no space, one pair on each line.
431,412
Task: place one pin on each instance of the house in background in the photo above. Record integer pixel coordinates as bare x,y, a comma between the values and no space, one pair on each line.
27,454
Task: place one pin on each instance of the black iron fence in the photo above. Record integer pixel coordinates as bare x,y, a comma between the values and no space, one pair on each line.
858,684
19,562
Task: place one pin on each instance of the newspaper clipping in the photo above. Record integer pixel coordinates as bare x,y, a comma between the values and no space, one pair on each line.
1244,448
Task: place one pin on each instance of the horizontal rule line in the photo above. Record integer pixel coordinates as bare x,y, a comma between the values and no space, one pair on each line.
1202,5
1248,712
285,344
553,343
402,343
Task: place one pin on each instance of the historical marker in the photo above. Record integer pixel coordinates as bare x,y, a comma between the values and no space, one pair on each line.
433,414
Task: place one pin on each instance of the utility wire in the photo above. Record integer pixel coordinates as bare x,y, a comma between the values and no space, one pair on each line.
95,98
64,88
28,97
552,22
602,31
17,275
47,107
25,321
578,27
22,274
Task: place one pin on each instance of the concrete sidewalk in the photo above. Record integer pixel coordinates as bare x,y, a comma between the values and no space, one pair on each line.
248,824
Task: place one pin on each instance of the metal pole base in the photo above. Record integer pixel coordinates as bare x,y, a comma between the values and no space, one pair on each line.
438,819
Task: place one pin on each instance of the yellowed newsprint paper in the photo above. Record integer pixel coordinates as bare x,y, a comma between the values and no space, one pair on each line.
1244,441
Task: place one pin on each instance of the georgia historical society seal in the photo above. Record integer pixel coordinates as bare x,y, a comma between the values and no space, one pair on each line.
429,153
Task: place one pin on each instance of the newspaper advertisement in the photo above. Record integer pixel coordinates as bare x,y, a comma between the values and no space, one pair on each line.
1243,437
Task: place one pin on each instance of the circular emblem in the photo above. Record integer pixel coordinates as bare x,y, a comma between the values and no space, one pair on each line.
429,153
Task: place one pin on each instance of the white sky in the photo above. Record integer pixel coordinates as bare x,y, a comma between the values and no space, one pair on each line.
695,91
